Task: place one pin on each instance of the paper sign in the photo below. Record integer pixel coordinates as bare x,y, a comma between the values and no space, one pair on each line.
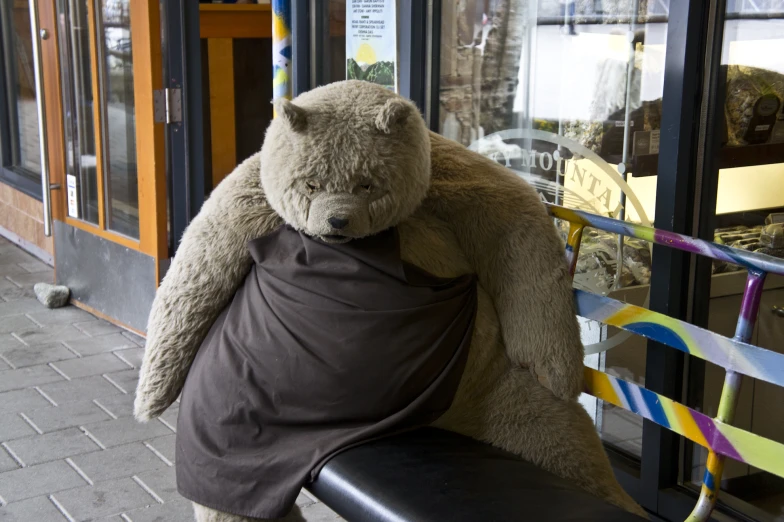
73,207
371,42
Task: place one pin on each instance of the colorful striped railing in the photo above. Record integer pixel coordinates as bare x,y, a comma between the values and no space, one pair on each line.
735,355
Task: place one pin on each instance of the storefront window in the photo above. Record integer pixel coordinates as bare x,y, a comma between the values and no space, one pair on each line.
113,26
22,145
77,95
568,96
750,215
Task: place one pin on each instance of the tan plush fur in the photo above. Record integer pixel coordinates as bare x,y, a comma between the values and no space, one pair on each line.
356,151
205,514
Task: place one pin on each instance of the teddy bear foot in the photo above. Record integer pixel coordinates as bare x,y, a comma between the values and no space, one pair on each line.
205,514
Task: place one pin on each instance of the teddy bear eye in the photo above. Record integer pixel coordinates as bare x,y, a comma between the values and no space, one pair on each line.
313,186
366,188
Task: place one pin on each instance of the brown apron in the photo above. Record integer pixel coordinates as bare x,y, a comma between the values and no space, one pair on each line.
323,347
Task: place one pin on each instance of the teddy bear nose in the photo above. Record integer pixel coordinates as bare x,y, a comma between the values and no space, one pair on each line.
337,223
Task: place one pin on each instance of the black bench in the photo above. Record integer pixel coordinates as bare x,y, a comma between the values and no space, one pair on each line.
435,475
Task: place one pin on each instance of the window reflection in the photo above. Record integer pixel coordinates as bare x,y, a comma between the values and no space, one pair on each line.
77,96
118,117
19,80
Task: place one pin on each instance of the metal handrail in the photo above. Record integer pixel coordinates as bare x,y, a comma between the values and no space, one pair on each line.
46,186
758,266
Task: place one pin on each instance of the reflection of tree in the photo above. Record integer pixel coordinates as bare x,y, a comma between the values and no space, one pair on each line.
30,151
482,43
21,84
116,12
480,56
612,11
119,118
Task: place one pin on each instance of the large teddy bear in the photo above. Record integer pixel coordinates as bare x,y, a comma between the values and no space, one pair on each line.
343,165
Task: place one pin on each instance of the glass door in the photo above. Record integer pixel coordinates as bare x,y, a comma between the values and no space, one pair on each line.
106,150
99,114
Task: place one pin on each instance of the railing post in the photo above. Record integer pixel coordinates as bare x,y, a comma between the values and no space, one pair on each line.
573,245
281,49
714,467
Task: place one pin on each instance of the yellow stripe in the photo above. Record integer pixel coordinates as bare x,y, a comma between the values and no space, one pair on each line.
625,316
689,426
600,386
672,417
567,215
279,28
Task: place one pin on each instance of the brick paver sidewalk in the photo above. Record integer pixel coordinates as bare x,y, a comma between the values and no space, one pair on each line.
70,448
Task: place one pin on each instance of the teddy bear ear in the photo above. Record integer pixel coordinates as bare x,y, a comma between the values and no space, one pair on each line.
295,115
393,113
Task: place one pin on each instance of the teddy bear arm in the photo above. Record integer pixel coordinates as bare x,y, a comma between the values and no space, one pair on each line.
211,262
510,241
531,290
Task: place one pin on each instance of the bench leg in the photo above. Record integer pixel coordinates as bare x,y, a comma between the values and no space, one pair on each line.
205,514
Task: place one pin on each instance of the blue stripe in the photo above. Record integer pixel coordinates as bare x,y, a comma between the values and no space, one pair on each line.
655,407
658,333
707,479
624,386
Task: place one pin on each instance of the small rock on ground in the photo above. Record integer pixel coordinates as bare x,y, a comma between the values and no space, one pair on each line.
52,296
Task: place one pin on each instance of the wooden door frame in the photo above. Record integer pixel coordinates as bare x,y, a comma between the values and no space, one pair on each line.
150,147
150,144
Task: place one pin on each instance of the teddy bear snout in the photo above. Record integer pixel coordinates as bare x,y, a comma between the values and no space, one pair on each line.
337,223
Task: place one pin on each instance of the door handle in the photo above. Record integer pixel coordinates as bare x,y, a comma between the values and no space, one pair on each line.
778,310
37,35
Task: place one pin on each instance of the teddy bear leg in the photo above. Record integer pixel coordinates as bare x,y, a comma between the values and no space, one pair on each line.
555,434
205,514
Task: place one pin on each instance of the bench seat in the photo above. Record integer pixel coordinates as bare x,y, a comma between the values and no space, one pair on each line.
435,475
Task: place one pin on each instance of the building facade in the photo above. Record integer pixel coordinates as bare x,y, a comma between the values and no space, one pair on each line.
660,112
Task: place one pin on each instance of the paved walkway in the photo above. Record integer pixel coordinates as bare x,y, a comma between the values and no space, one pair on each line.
70,448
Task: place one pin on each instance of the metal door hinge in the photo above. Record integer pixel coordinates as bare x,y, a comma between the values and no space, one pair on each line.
168,105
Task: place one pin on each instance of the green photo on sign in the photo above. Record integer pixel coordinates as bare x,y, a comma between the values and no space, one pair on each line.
371,45
382,73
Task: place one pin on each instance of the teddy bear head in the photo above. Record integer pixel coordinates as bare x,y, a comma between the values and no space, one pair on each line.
345,161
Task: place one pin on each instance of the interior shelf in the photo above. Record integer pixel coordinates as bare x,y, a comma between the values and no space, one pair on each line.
729,158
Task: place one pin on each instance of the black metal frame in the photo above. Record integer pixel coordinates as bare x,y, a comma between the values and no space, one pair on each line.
433,80
20,179
184,139
319,49
412,51
681,106
301,42
709,146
